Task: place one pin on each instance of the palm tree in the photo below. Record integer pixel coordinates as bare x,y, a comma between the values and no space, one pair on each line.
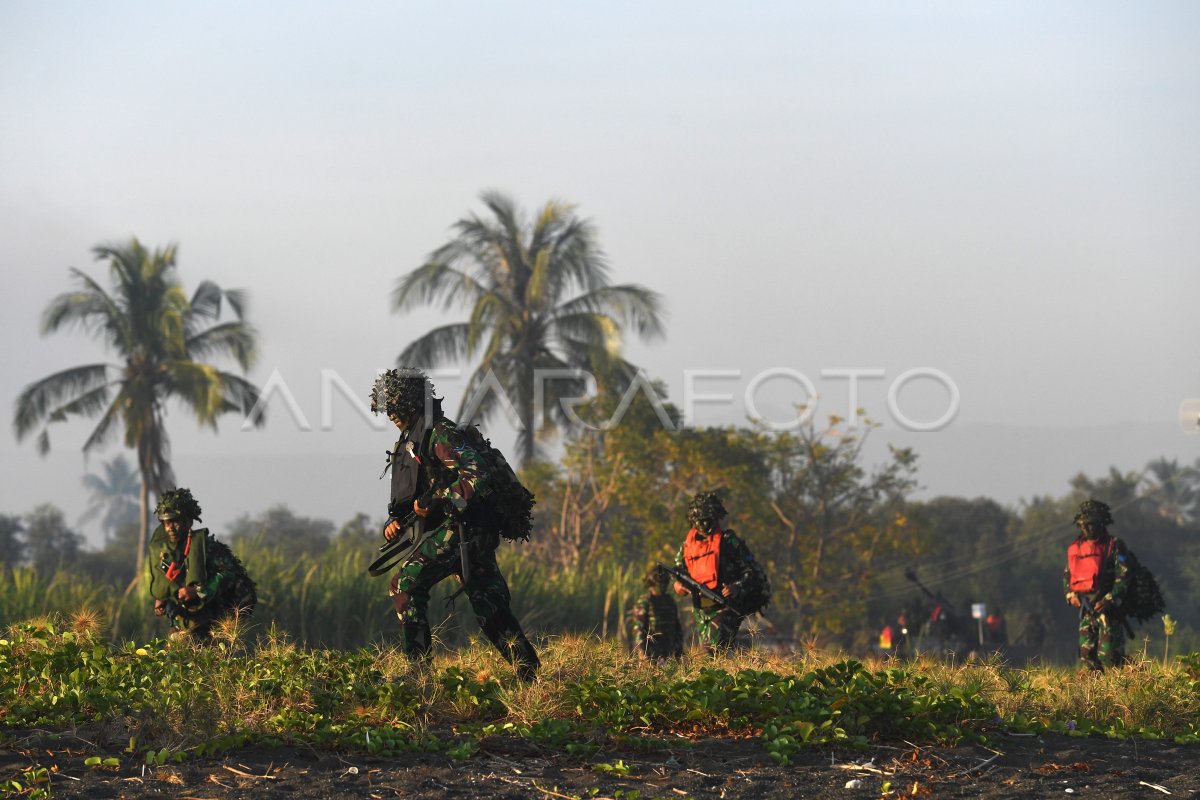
114,496
160,336
539,299
1172,489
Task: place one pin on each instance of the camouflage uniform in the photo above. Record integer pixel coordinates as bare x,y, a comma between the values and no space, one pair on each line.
1102,633
435,464
656,629
718,625
194,559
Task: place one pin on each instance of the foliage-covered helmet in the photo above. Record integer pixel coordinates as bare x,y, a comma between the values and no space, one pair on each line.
705,507
177,504
1095,512
656,577
400,392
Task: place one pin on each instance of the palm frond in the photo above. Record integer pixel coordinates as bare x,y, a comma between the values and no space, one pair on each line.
487,315
579,261
481,391
442,344
237,339
434,282
630,304
508,239
198,386
241,396
42,399
598,334
104,429
92,308
206,300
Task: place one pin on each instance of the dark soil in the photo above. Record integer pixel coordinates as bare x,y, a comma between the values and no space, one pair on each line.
1012,766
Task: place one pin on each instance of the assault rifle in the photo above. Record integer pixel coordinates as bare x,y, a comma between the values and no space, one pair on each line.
397,549
697,588
1085,605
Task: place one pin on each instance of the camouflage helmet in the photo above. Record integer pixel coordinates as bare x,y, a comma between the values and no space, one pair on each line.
177,504
705,507
1095,512
400,392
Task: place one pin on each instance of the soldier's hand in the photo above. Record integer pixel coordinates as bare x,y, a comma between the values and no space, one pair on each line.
1073,599
420,510
1099,605
679,589
160,607
392,530
187,594
730,591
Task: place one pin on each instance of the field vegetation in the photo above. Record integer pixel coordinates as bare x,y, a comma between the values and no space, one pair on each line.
163,702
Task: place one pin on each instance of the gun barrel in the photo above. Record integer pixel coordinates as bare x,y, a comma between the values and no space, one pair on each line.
698,588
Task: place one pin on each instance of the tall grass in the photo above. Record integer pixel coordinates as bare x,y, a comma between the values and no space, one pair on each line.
330,601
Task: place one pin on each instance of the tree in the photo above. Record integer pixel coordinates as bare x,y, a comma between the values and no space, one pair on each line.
840,522
114,496
51,545
539,300
278,527
12,546
159,335
1173,489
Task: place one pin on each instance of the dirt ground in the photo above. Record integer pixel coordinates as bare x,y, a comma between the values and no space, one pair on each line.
507,769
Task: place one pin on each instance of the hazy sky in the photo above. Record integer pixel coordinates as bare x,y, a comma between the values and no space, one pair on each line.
1003,192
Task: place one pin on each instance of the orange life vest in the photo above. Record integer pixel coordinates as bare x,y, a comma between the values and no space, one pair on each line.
702,557
1085,561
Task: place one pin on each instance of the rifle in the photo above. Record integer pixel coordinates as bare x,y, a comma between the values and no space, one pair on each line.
412,534
1086,606
697,588
938,597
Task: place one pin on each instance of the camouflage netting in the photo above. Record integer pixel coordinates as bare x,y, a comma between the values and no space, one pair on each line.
705,507
656,578
177,504
1095,512
401,392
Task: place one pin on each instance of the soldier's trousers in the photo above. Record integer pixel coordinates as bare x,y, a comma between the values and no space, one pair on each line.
718,628
490,600
1101,641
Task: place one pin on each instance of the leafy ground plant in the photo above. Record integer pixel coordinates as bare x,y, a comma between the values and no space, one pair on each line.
163,702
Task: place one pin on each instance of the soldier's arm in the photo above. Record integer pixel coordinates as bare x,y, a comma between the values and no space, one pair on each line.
217,568
1071,596
462,464
1120,573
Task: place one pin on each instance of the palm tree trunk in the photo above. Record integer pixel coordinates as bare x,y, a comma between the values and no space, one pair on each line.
525,411
144,522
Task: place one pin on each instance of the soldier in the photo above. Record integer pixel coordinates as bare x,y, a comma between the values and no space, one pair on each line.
657,632
1095,583
194,579
445,481
721,561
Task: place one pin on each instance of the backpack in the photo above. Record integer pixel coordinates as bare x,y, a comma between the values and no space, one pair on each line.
1143,599
507,496
241,593
757,593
